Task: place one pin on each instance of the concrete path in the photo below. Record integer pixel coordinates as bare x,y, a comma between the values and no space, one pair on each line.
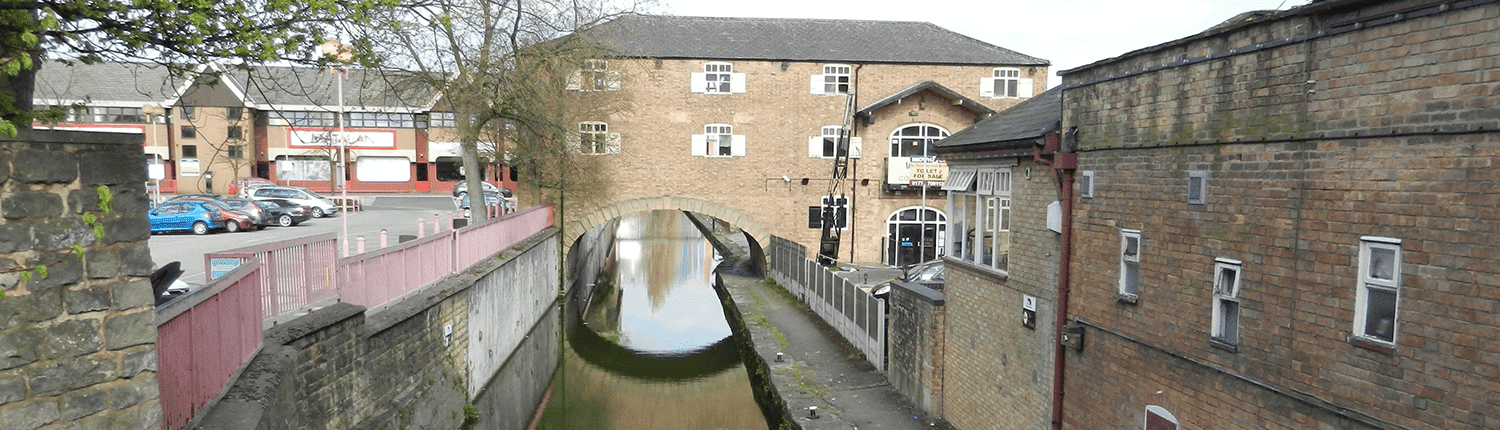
819,368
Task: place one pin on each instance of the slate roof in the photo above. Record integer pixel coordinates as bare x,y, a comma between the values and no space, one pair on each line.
965,102
104,83
1028,120
278,87
264,87
826,40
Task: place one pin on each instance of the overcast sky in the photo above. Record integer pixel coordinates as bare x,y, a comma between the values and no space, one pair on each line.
1069,33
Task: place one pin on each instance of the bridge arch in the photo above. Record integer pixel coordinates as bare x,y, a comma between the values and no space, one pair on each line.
577,225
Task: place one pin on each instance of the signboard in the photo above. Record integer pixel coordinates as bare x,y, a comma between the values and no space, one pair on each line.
927,173
319,138
218,267
916,171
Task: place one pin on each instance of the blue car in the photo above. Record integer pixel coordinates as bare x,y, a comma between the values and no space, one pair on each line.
197,217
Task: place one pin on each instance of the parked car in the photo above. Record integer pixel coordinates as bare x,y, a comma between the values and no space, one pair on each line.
284,213
317,205
489,199
258,215
240,186
234,220
195,196
462,189
926,273
197,217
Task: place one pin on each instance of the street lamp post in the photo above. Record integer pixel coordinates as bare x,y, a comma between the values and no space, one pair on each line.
332,48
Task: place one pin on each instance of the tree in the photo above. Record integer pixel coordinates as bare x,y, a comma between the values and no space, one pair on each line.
176,34
501,65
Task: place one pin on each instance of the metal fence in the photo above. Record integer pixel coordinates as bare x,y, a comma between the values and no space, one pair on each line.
204,338
858,316
208,335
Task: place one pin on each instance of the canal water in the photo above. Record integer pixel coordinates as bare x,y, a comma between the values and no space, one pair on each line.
648,347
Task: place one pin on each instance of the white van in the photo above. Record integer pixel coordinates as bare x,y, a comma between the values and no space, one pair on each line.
318,205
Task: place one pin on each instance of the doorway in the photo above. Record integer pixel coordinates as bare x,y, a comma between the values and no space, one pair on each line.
915,234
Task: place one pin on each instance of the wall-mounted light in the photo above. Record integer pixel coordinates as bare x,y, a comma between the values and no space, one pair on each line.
804,181
864,182
1033,69
658,63
784,64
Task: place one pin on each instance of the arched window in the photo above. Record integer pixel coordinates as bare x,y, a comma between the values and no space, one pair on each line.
916,140
915,234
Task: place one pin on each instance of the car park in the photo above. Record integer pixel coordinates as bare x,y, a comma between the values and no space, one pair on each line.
462,189
241,186
234,220
284,213
197,217
317,205
247,206
490,199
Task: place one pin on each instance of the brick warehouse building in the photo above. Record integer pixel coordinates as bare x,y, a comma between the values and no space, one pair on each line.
266,122
1291,221
736,118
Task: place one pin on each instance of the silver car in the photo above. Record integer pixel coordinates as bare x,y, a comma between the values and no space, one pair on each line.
318,205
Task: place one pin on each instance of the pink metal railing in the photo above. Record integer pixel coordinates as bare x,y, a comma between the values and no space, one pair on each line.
301,272
375,278
204,338
481,241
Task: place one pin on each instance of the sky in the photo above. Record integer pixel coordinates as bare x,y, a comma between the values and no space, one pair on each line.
1069,33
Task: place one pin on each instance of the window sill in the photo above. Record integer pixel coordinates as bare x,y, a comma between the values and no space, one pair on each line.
1373,345
1223,344
1127,299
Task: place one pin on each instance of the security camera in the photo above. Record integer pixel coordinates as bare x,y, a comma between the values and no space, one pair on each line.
784,178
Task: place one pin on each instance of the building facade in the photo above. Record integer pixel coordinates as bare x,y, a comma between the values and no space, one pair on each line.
1290,221
746,114
279,123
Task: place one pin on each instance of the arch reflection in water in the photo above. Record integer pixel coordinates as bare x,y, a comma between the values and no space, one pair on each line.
655,350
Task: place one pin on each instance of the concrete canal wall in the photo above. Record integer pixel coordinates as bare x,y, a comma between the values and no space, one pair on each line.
420,363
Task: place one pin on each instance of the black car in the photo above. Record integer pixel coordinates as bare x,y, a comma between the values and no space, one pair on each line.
284,213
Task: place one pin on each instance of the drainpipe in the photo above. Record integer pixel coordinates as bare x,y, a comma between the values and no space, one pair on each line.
853,182
1063,164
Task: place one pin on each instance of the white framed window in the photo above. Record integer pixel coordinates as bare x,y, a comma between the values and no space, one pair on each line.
1197,186
1005,83
915,234
826,145
594,138
833,81
981,219
1226,318
1376,309
594,75
1086,185
1130,263
831,207
916,140
718,78
718,140
443,120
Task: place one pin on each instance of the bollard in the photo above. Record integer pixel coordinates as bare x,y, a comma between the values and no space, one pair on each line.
344,242
383,238
450,220
436,225
359,247
421,228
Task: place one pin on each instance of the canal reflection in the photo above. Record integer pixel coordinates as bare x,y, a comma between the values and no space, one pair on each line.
650,347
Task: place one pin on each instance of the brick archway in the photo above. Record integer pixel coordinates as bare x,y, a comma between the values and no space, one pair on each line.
577,225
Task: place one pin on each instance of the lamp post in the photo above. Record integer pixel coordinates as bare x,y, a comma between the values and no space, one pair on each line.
341,54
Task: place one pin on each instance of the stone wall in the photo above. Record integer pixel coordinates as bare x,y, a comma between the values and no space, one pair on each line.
916,344
78,346
415,364
1314,133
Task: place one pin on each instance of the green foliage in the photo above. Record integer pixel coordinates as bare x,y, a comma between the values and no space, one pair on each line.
471,416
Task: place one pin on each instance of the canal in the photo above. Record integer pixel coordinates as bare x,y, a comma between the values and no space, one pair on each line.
648,346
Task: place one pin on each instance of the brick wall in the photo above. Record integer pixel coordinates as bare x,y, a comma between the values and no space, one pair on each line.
777,114
916,343
1385,130
77,347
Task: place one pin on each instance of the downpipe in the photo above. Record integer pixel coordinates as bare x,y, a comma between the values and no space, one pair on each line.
1063,164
